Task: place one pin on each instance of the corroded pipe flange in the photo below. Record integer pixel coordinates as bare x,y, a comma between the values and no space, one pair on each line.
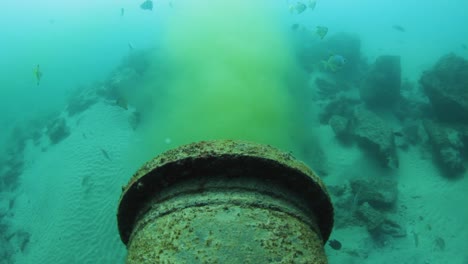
179,201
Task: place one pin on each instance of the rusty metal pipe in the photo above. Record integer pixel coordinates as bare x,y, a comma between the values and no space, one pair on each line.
225,202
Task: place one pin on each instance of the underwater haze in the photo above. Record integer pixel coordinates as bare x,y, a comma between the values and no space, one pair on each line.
372,95
79,41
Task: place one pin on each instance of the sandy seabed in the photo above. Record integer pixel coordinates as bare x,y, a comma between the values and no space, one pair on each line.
69,193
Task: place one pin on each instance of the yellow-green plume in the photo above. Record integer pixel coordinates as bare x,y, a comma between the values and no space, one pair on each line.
229,68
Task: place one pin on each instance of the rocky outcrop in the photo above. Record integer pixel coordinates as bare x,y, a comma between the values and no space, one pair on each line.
447,146
463,130
379,224
369,202
340,126
349,46
81,99
381,87
58,130
446,86
352,122
328,89
341,106
380,193
374,199
373,134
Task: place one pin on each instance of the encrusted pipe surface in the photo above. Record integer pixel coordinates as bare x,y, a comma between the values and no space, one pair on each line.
225,202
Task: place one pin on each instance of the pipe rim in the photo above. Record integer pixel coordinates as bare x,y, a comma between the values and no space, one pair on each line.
221,155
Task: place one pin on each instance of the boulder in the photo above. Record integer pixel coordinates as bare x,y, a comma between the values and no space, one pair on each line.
381,87
329,89
58,130
463,130
447,146
4,207
378,224
347,45
81,99
340,126
380,193
10,173
373,134
371,217
446,86
342,106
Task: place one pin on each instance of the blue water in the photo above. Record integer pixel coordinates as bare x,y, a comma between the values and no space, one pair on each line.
80,44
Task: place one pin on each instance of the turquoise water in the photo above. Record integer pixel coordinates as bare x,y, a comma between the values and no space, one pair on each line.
117,89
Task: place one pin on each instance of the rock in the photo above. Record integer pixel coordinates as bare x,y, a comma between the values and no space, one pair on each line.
134,120
122,78
378,224
446,146
446,86
21,238
139,61
367,128
10,173
4,207
340,126
341,106
452,159
401,142
58,130
381,87
463,130
349,46
313,154
412,133
6,251
329,89
375,136
371,217
81,99
389,227
310,51
337,190
381,193
411,108
369,203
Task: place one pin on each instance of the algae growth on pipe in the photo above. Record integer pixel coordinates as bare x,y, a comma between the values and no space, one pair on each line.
225,202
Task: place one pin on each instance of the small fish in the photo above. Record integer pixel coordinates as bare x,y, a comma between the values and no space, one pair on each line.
399,28
130,46
312,4
439,243
416,239
122,103
106,155
299,7
122,12
321,31
295,27
147,5
37,74
334,63
335,244
463,46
